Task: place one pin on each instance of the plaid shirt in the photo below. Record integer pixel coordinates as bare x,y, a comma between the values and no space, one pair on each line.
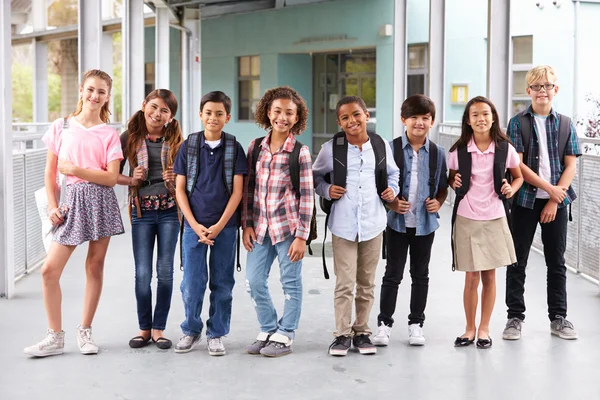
527,193
273,204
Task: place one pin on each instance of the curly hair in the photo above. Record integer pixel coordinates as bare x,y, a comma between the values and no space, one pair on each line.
281,92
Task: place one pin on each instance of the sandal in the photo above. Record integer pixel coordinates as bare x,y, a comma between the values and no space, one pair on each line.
139,342
484,343
163,343
463,342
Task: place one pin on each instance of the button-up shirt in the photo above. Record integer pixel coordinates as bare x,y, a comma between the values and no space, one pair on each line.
359,213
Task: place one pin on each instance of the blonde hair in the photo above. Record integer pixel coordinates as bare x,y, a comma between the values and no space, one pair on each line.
539,73
104,111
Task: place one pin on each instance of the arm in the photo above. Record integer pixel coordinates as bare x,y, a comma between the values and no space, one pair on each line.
249,236
393,175
434,205
105,178
232,205
557,193
54,214
322,166
184,205
305,207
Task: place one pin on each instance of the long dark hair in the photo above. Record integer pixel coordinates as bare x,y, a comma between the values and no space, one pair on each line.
138,132
467,130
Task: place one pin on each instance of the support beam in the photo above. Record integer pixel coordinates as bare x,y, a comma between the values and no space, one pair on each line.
192,89
498,57
437,64
106,65
40,63
7,255
400,49
133,56
163,54
89,26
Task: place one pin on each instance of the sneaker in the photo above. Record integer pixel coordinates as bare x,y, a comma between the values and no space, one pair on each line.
85,342
382,336
261,341
363,344
415,335
52,345
215,346
563,328
512,331
278,345
340,346
187,343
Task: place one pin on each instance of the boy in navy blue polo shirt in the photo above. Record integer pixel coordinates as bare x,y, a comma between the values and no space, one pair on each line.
210,168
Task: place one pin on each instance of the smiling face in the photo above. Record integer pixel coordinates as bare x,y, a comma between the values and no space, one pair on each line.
417,126
283,115
156,113
480,118
214,117
352,118
542,97
94,93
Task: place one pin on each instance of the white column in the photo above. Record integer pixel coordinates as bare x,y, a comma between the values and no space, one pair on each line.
163,55
193,22
89,28
133,56
400,49
7,266
39,11
106,64
498,57
437,65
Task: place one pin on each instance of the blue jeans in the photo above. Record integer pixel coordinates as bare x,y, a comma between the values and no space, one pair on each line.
164,226
220,280
258,266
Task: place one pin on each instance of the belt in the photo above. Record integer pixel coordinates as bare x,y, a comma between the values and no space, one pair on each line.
152,182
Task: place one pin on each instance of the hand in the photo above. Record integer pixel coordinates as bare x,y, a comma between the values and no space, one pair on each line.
402,206
55,216
214,231
202,233
297,250
66,167
139,174
335,192
457,182
248,238
388,195
558,193
432,206
169,175
506,189
548,212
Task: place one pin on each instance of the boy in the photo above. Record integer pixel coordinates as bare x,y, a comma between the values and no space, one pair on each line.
412,219
357,218
548,146
210,167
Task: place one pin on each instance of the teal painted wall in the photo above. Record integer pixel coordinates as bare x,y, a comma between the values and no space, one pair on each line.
417,21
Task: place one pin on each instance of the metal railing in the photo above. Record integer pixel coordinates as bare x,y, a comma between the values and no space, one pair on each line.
583,235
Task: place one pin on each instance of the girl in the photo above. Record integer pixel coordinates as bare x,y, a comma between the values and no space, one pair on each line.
150,144
482,239
276,219
87,152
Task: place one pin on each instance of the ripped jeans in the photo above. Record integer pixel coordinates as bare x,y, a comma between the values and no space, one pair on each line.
258,266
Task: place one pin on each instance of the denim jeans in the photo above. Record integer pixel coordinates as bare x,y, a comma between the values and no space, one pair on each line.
258,267
164,226
218,274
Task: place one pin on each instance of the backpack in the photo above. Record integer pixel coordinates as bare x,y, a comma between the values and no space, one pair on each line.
230,148
464,169
340,172
399,159
295,178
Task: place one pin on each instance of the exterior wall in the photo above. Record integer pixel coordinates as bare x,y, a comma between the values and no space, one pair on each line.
417,21
263,33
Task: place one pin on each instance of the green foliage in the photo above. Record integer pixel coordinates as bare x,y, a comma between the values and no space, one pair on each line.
22,92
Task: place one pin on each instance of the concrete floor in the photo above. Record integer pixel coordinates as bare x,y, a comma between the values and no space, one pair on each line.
539,366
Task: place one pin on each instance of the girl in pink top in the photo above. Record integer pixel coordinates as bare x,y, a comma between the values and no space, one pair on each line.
87,152
482,238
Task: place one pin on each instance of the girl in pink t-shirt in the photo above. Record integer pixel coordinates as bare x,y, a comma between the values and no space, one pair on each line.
481,235
87,153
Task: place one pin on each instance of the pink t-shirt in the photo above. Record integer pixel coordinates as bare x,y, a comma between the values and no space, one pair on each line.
481,201
91,148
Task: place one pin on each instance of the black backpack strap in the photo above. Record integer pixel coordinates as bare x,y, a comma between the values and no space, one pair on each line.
464,169
526,124
564,133
433,161
295,167
399,160
500,154
340,159
325,272
381,178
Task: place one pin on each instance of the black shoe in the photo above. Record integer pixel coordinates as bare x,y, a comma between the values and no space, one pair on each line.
340,346
363,344
484,343
163,343
138,342
463,342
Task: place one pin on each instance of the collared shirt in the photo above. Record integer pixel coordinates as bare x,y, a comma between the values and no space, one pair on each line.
359,213
425,222
272,204
527,193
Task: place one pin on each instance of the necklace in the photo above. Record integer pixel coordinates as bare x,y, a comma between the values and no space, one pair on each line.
158,140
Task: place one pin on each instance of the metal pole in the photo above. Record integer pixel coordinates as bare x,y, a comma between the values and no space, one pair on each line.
400,28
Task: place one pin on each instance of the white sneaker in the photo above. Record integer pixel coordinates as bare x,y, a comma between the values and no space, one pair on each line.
415,335
382,336
52,345
215,346
85,342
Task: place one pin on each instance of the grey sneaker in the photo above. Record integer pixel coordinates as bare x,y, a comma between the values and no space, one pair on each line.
279,345
85,342
187,343
52,345
340,346
363,344
261,341
215,346
512,330
563,328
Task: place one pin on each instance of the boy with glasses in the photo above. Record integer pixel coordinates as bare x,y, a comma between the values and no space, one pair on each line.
548,146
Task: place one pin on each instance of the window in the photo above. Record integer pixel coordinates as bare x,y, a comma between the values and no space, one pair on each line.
522,61
248,87
417,69
149,75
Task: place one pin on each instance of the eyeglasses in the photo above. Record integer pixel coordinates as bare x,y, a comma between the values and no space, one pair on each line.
537,88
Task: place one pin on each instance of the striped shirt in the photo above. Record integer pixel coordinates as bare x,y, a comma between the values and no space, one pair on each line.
527,194
272,204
